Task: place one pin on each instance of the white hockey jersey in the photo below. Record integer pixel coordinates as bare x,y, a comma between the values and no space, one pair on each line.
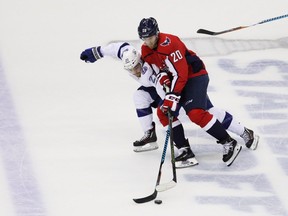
149,72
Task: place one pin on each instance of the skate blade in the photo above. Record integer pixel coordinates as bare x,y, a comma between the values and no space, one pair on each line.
234,156
255,143
147,147
188,163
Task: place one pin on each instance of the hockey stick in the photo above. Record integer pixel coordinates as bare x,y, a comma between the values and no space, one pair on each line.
172,183
204,31
154,194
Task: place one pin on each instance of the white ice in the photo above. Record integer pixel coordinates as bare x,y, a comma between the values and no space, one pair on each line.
67,127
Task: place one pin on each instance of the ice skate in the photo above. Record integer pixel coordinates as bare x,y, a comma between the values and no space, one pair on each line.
186,157
147,142
230,150
250,138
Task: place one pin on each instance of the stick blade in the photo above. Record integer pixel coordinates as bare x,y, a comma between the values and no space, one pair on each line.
166,186
204,31
146,199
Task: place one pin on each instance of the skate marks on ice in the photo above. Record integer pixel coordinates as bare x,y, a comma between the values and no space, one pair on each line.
239,188
25,196
218,46
207,46
256,182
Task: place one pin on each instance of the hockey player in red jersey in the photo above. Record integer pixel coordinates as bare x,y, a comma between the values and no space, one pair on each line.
189,82
147,96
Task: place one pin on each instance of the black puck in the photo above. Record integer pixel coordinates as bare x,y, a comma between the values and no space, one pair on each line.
158,202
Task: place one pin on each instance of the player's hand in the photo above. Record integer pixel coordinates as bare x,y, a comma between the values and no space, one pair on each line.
164,79
91,55
171,101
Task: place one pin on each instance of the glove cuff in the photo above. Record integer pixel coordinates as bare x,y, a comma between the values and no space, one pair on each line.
173,93
97,52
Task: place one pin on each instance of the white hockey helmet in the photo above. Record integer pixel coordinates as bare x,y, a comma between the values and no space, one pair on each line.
131,58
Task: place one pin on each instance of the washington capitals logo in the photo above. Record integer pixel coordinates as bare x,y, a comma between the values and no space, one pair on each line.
166,42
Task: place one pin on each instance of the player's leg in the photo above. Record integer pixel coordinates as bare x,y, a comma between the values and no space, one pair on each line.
144,99
185,156
233,125
194,100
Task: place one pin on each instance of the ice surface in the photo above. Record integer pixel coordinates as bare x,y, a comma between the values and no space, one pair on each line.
67,127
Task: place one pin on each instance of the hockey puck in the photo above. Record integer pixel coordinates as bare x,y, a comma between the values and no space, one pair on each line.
158,202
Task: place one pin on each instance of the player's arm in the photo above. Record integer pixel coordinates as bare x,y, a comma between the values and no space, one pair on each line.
93,54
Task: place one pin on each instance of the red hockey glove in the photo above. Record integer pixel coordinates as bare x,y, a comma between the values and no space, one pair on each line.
164,79
171,100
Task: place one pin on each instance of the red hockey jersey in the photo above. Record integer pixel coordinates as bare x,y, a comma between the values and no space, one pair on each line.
172,54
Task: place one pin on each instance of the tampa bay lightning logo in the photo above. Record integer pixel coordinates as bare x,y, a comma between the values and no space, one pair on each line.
166,42
144,69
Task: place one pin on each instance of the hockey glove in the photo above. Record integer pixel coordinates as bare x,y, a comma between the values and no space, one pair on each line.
91,55
164,79
171,100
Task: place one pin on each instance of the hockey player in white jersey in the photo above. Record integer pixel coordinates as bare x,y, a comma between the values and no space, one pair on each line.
147,76
145,97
